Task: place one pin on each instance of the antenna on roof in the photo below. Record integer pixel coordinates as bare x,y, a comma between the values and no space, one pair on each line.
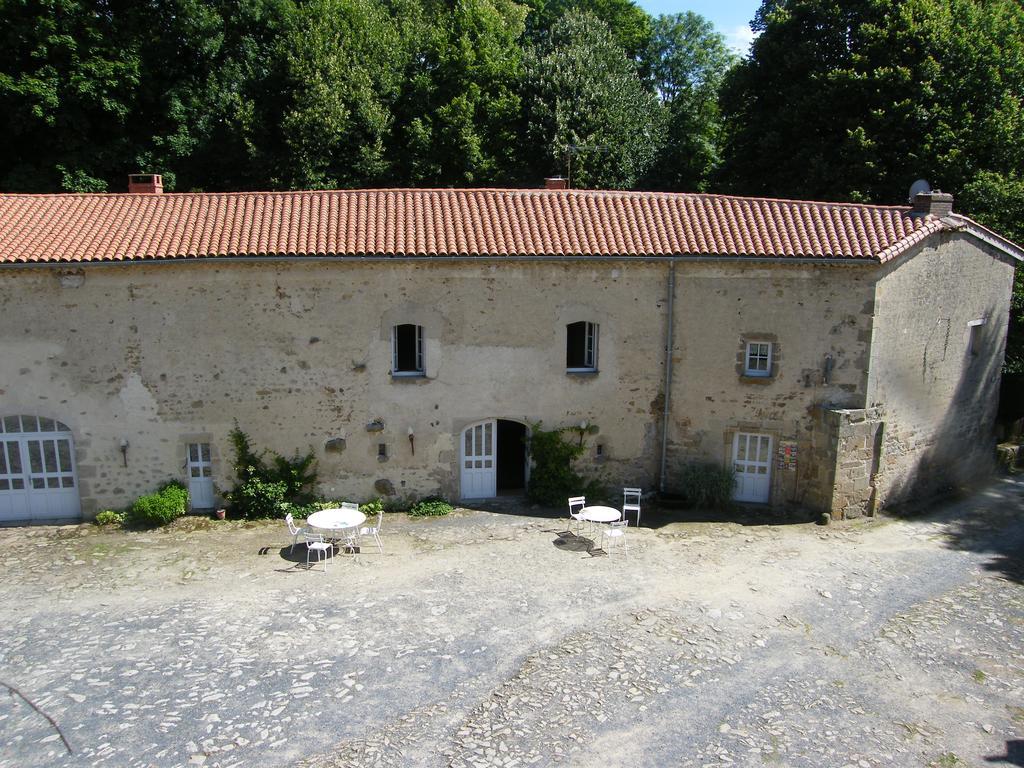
917,188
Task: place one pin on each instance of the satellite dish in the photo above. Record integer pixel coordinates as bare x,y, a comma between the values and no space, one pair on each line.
918,187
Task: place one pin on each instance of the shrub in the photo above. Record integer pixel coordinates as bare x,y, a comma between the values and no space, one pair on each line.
256,497
109,517
168,503
372,507
708,485
431,507
271,490
552,477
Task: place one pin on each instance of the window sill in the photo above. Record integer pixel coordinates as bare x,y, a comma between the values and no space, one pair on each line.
581,372
409,376
748,379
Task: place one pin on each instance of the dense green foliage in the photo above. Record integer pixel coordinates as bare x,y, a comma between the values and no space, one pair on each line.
270,489
430,507
110,517
167,504
552,477
707,486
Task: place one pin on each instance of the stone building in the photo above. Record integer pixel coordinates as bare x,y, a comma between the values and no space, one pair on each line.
841,357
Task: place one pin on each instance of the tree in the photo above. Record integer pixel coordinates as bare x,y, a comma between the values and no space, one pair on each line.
629,24
343,61
459,110
853,99
685,62
68,83
587,104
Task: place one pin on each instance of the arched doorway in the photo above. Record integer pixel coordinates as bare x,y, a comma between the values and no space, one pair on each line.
37,470
492,459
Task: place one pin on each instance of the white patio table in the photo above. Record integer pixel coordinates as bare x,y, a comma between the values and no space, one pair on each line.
336,520
599,514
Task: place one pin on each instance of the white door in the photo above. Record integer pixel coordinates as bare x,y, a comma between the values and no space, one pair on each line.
752,460
37,470
479,470
200,476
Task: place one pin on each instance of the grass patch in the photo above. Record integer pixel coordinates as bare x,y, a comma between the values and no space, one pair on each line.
978,676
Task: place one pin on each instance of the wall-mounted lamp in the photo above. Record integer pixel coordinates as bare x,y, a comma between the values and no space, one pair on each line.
412,441
124,451
585,428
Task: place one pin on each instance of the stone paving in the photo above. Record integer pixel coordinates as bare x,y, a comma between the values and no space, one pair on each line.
476,641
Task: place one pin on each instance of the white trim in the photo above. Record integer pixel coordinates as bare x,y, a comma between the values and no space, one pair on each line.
765,355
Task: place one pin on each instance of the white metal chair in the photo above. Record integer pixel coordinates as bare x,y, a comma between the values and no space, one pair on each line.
293,530
576,504
631,502
374,530
615,535
350,505
324,549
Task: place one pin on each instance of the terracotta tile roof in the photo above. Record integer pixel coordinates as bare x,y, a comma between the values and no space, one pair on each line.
445,222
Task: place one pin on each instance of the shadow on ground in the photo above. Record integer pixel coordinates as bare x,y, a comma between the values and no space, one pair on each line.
990,522
1014,754
654,514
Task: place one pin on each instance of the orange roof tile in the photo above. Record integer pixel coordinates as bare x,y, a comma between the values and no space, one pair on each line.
445,222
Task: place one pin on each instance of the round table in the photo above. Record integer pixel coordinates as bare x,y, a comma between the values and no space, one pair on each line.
599,514
336,519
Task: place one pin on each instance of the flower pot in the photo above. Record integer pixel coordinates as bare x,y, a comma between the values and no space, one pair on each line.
220,513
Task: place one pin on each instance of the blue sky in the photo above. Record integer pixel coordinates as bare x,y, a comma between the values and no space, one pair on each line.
731,17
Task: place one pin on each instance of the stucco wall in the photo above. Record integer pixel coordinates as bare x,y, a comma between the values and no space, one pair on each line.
808,313
300,353
938,401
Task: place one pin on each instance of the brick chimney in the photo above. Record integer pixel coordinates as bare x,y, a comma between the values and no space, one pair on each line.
145,184
934,203
555,182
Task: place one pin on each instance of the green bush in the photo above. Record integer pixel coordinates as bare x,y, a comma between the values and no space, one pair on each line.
109,517
257,498
552,477
372,507
271,490
431,507
709,486
168,503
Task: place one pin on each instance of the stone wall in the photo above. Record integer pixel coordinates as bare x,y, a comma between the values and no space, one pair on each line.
299,353
856,437
818,319
935,375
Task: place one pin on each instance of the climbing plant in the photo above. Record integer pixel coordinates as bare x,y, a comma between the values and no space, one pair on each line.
552,476
269,489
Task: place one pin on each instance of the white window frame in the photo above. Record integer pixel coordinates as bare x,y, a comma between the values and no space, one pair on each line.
973,333
754,355
591,332
420,369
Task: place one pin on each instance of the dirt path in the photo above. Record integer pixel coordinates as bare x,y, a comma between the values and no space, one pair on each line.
476,641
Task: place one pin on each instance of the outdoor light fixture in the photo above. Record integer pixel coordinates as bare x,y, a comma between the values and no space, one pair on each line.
412,441
124,451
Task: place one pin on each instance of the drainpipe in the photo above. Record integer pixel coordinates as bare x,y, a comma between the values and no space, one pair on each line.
668,373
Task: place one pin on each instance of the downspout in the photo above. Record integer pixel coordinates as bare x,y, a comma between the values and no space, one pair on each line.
668,373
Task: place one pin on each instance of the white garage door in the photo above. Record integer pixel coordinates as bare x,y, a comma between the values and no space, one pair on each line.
37,470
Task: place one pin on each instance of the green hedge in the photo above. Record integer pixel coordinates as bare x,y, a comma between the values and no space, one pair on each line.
168,503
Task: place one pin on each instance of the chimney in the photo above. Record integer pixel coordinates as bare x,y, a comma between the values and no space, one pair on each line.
145,184
935,203
555,182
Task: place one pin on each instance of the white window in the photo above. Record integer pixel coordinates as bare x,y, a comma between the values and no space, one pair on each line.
758,359
581,346
974,328
407,350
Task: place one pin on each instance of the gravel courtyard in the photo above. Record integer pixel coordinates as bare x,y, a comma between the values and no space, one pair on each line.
479,640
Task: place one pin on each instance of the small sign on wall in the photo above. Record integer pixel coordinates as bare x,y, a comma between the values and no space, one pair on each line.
787,455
